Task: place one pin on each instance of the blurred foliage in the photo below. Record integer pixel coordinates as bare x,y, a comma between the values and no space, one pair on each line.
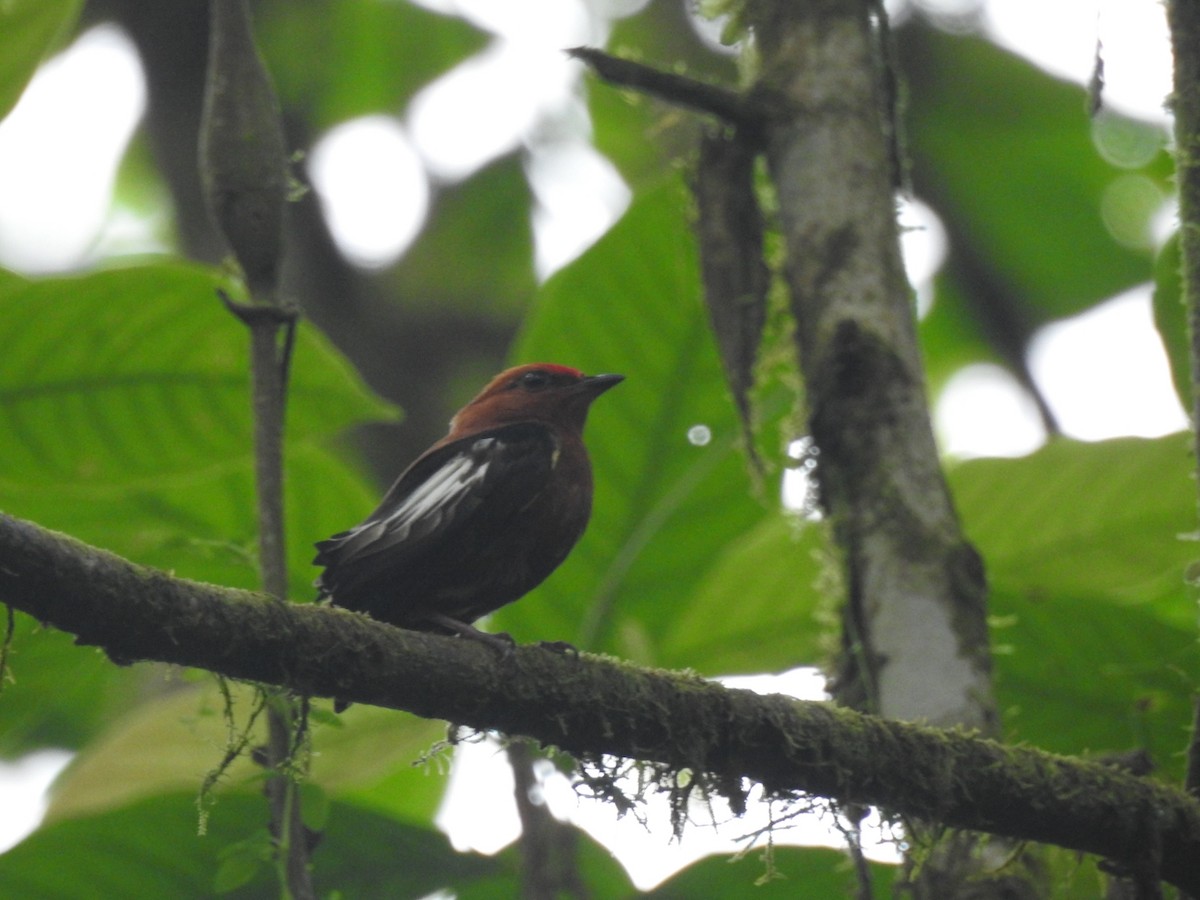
124,420
1086,548
127,423
150,848
385,52
490,212
1008,158
29,29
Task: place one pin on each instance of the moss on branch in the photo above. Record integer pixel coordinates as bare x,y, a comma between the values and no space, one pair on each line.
590,706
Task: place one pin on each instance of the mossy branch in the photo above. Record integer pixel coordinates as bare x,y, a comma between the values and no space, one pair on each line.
591,706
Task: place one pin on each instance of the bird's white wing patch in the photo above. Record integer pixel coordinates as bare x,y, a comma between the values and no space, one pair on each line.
432,502
442,491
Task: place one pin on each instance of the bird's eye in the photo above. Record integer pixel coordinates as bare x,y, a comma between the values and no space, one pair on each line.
534,381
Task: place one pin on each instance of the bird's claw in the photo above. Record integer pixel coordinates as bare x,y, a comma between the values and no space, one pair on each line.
502,642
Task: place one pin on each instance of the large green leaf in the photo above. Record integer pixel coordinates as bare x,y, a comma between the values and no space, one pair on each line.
664,507
600,874
151,849
757,607
114,380
29,29
172,742
791,872
1095,629
60,694
1077,675
202,528
125,417
1104,519
125,421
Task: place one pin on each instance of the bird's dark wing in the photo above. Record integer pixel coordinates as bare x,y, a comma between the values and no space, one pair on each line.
463,491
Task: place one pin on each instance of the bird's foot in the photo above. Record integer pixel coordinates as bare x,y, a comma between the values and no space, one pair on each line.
501,642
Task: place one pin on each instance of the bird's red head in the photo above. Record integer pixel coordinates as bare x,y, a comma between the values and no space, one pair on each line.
534,392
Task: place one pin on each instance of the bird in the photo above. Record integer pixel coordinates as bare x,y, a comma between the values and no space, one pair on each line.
482,517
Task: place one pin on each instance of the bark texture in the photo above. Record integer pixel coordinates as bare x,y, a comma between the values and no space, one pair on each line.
916,635
591,706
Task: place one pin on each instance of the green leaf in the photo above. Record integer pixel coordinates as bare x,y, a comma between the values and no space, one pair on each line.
150,849
114,380
171,743
1098,519
791,872
1078,675
1024,179
664,507
29,29
1008,157
1170,318
768,583
377,761
1094,627
475,255
358,57
314,806
601,875
125,421
61,693
242,861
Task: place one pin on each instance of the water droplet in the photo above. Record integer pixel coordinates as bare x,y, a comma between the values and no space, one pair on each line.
800,490
699,435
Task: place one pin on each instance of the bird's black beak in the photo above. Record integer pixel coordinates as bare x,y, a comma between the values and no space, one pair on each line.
598,384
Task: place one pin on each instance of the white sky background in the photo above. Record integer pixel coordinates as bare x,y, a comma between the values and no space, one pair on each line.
376,177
